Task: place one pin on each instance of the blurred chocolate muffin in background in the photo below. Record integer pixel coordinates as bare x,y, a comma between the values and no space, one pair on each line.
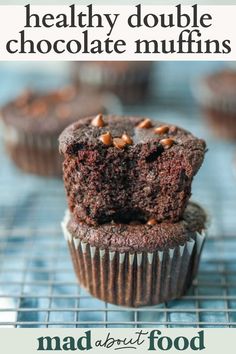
216,93
234,163
129,80
33,121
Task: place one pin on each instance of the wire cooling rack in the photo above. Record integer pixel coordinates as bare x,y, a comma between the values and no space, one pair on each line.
38,287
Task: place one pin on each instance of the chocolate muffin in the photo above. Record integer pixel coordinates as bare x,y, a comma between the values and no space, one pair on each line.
137,264
33,122
126,169
127,79
217,95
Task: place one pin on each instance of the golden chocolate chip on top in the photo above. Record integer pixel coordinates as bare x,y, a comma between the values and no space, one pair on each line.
127,139
38,108
145,124
106,138
167,143
163,129
119,143
67,93
63,111
151,222
98,121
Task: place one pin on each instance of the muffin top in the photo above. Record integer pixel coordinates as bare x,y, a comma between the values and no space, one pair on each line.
126,133
40,113
141,237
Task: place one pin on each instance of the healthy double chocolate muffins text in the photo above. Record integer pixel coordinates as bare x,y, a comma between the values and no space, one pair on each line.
128,183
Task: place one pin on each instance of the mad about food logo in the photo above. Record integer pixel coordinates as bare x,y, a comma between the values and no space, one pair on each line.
65,344
159,342
147,341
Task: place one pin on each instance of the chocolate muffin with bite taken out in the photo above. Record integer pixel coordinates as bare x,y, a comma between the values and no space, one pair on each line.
123,169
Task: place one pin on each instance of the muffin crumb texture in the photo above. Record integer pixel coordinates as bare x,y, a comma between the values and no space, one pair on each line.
128,169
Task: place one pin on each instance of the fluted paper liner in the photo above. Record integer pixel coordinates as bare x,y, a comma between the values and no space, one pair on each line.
135,279
33,153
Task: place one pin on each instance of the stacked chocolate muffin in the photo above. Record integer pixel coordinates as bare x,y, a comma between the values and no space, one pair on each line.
134,237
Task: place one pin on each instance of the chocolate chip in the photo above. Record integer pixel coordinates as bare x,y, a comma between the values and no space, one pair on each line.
119,143
23,99
151,222
167,143
98,121
63,111
67,93
127,139
145,124
106,138
38,108
163,129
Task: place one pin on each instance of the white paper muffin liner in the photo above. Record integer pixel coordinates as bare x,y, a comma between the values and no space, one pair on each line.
135,278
